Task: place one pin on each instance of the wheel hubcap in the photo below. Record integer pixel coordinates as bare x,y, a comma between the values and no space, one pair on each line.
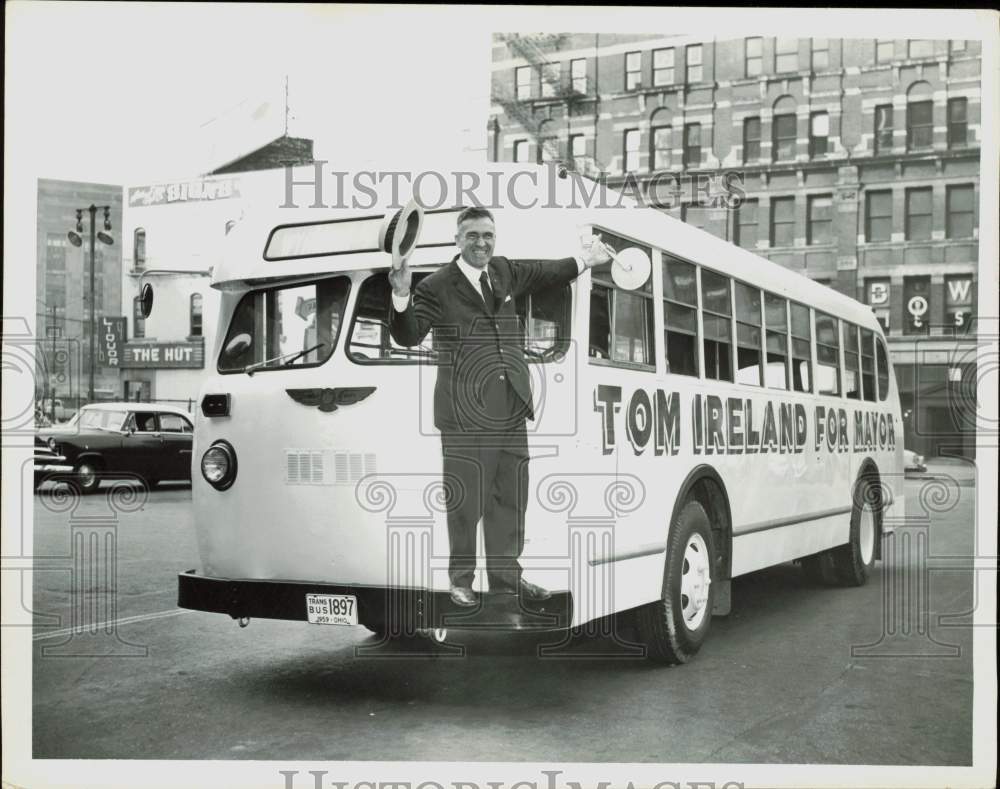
696,579
87,475
866,535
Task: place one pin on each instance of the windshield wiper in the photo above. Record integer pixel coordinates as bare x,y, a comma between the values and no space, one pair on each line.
287,358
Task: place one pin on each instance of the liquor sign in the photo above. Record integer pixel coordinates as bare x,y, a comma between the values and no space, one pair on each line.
916,305
958,292
160,355
184,191
878,292
112,338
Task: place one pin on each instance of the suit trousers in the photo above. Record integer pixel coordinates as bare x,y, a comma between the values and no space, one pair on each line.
486,477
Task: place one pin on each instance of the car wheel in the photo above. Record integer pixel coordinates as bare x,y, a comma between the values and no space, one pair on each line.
674,627
86,476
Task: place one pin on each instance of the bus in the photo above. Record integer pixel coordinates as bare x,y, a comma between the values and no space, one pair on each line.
715,416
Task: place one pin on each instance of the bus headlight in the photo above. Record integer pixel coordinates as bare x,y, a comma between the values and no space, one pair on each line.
218,465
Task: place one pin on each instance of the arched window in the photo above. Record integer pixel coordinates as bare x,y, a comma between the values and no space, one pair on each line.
195,315
919,116
139,249
784,129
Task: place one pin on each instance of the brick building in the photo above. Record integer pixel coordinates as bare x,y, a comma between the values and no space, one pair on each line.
62,280
858,163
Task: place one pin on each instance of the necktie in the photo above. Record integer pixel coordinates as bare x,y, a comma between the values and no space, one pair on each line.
484,284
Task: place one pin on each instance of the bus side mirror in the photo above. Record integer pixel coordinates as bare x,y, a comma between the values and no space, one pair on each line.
146,300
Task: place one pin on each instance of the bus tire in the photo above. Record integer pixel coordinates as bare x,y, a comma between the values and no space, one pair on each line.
852,564
674,627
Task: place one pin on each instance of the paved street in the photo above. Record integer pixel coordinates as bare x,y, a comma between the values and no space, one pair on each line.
776,681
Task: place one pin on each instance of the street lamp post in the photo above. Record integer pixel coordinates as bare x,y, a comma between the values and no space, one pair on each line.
76,240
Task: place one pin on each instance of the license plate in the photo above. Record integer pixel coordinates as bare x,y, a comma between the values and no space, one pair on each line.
332,609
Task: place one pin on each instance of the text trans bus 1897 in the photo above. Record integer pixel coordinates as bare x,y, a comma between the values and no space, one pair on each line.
722,416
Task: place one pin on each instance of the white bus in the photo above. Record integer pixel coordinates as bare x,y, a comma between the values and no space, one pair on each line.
722,416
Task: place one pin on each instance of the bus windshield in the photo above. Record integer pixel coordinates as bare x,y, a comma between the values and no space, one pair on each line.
289,326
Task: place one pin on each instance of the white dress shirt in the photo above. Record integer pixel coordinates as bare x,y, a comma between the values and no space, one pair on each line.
400,303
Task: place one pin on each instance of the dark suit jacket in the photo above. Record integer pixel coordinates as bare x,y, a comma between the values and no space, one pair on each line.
471,343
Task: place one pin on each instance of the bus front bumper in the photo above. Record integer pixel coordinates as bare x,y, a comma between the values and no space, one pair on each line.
402,609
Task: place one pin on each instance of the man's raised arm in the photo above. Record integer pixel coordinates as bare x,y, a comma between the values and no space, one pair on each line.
413,313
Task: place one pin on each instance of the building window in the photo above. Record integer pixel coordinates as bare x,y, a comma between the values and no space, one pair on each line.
139,249
195,315
782,221
754,59
138,322
883,128
717,314
746,224
920,48
751,140
919,124
957,46
55,252
55,292
522,76
784,137
663,66
548,149
786,54
820,229
680,316
776,315
551,74
520,150
630,156
578,75
801,348
885,49
959,208
820,54
827,354
660,154
958,122
692,145
918,214
695,215
578,149
633,70
878,216
748,335
819,133
693,62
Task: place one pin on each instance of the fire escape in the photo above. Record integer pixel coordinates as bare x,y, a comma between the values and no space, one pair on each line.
534,48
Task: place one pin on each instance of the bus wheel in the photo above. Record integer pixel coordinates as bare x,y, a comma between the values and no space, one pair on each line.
854,562
674,627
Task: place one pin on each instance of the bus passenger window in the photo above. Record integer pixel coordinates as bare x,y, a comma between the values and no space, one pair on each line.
776,316
827,355
633,329
716,317
883,369
801,350
680,316
600,322
546,318
852,369
868,364
369,340
747,335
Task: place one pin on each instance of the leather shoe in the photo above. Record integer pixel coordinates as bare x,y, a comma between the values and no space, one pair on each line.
530,591
463,596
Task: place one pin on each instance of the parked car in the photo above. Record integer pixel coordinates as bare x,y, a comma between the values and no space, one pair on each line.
114,440
913,462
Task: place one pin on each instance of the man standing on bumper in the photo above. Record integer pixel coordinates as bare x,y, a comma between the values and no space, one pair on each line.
482,396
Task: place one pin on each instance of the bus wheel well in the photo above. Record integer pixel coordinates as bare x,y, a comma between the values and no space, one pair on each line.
704,486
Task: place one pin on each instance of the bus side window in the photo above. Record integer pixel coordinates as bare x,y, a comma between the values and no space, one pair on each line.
545,316
680,316
716,317
747,334
776,317
868,364
852,366
801,348
370,340
621,321
883,369
827,355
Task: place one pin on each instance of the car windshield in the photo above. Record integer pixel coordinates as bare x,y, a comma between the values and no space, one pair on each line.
101,419
290,326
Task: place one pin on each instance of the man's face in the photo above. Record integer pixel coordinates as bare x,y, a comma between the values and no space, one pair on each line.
475,238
